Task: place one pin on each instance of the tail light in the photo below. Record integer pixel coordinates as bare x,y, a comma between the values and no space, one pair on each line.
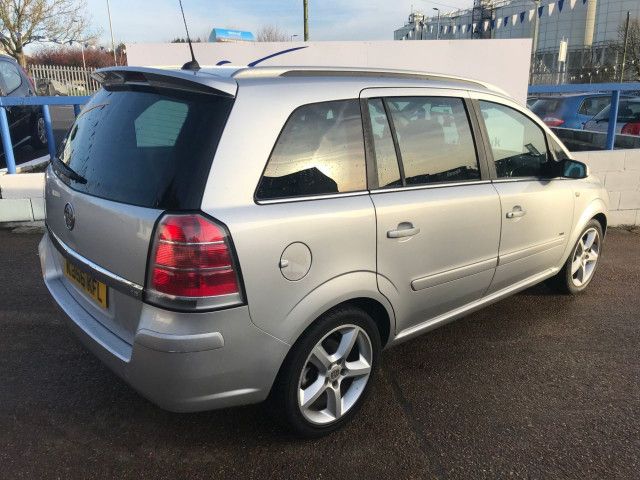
631,128
553,121
192,265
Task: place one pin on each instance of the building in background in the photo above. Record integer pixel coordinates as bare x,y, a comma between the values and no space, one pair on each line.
588,26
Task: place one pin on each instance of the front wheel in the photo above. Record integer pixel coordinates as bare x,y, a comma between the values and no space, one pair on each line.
580,267
329,372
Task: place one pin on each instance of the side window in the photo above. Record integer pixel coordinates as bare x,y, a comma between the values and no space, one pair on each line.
592,105
10,75
386,160
517,142
435,140
320,151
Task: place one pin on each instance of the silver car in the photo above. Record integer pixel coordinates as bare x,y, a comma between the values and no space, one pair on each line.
225,236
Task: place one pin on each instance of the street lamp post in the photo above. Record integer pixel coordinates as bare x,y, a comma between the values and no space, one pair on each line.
305,7
293,36
438,25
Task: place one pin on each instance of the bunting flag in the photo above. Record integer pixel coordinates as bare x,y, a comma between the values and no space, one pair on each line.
503,22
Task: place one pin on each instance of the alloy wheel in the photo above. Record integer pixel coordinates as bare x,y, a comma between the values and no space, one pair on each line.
41,131
335,374
585,257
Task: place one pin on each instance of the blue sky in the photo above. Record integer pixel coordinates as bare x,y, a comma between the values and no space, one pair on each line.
159,20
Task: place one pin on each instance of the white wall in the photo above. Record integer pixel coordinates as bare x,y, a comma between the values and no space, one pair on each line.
505,63
619,170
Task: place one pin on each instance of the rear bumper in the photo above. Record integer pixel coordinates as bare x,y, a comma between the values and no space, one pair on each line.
180,361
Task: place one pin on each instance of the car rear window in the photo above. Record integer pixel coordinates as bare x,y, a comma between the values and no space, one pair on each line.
546,106
145,146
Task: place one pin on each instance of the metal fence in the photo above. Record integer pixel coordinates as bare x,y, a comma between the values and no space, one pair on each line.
52,80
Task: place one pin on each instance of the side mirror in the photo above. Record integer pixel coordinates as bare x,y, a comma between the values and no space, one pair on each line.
574,169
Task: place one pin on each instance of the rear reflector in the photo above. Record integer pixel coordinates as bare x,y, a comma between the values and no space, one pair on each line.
192,266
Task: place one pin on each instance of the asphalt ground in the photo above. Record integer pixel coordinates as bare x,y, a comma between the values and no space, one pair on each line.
536,386
61,119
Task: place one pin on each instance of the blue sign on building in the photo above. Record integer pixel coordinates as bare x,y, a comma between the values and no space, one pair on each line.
225,35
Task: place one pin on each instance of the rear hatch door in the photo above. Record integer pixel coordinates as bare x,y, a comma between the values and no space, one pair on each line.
143,145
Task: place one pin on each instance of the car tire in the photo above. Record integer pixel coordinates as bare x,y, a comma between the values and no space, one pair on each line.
579,269
336,375
38,132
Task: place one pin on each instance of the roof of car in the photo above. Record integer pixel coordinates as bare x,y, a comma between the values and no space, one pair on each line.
227,77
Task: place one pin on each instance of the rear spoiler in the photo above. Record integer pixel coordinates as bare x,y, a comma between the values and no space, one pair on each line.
200,82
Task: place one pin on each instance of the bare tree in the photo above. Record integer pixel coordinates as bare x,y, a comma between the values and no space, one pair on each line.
632,66
271,33
27,21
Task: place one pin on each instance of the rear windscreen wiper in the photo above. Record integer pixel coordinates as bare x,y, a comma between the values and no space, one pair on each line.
67,171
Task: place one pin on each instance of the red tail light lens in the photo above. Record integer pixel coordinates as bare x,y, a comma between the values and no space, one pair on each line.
553,121
631,128
192,265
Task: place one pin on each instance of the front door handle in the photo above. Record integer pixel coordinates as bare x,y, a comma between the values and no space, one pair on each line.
517,211
404,229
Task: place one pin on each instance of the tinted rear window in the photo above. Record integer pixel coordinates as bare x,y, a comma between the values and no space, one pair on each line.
145,147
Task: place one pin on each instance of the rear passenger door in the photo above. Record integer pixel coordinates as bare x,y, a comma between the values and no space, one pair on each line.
537,209
437,214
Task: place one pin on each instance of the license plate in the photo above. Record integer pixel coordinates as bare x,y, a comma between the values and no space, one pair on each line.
95,289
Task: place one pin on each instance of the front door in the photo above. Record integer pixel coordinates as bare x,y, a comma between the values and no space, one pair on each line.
537,210
437,214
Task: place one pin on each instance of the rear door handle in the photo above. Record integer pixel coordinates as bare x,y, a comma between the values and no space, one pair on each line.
517,211
405,229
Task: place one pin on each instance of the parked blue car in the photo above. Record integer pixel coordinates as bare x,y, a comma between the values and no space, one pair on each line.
570,111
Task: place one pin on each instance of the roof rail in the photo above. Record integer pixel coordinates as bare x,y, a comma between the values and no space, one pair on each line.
257,72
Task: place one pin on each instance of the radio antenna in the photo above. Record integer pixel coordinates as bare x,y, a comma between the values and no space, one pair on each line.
193,63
